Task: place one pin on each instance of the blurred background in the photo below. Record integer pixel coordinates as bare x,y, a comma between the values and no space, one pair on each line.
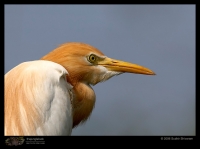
160,37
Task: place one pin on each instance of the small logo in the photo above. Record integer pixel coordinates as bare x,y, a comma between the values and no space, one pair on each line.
14,141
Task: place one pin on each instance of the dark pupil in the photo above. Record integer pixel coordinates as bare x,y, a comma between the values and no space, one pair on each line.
92,57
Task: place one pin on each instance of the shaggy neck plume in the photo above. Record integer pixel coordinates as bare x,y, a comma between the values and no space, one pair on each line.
83,101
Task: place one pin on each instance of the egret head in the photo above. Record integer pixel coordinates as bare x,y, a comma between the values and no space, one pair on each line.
89,65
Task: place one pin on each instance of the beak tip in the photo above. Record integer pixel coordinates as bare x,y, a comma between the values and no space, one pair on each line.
152,73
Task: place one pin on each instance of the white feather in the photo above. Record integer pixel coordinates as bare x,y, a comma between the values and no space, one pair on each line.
103,75
45,85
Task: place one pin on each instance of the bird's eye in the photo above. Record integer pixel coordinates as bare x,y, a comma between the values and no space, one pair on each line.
92,58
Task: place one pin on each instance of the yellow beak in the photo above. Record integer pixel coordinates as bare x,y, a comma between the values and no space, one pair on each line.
121,66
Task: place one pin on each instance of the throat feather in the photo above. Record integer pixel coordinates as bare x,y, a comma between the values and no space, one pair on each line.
83,103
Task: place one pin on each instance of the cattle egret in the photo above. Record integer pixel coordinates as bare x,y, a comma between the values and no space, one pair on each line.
53,95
